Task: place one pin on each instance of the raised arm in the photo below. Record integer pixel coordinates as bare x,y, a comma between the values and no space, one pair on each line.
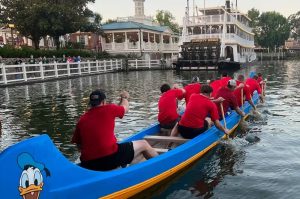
124,100
176,86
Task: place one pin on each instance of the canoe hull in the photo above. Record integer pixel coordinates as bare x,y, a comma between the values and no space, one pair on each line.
68,180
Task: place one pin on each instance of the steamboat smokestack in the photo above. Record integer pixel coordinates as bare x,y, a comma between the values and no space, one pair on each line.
227,6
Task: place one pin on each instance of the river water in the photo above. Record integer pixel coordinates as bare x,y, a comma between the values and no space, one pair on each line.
262,162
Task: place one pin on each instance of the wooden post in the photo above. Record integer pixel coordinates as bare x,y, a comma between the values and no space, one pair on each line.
42,70
97,65
89,66
79,68
69,69
24,72
111,64
55,69
136,64
104,65
4,73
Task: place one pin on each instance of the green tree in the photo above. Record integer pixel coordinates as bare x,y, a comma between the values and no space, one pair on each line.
93,24
253,14
273,29
165,18
294,21
110,21
38,18
27,18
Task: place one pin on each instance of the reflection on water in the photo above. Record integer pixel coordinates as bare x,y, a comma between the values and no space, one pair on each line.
265,168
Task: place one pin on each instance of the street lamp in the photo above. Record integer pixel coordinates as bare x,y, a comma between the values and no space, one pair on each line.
89,42
11,26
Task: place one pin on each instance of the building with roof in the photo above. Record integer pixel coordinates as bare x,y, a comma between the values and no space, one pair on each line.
140,35
292,45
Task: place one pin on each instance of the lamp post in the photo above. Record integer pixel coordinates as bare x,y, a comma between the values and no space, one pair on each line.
89,42
11,26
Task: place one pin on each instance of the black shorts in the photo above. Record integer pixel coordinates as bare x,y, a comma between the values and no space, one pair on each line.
190,133
121,158
170,125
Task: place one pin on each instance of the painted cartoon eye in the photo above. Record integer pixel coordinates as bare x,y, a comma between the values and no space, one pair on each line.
38,178
24,182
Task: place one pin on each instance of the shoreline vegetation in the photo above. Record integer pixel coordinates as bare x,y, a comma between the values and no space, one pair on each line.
9,55
271,29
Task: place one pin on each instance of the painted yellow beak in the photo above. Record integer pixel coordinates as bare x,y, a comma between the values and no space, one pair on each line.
31,188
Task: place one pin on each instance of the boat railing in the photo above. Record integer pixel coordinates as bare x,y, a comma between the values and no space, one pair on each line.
209,19
204,36
231,37
231,18
216,19
10,74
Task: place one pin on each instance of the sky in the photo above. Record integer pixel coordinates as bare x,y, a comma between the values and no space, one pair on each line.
111,9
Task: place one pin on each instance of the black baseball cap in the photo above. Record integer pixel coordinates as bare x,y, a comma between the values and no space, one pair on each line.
96,97
195,79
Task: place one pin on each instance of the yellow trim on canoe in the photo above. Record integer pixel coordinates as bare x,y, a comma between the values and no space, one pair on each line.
131,191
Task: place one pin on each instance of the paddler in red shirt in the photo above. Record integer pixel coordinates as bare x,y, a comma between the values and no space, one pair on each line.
194,121
219,83
192,88
224,79
94,135
254,86
261,83
243,93
230,101
167,105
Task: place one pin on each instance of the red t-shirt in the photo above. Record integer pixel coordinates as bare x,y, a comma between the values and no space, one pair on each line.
253,86
238,94
230,99
95,131
216,85
224,81
198,108
191,89
167,106
260,81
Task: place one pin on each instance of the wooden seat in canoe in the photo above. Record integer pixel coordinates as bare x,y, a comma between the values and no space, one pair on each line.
166,139
161,150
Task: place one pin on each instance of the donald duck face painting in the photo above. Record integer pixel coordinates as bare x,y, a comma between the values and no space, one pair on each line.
31,183
31,180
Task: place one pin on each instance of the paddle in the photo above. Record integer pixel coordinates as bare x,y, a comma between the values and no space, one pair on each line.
242,98
223,117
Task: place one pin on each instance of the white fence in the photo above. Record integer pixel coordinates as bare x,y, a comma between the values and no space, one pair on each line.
144,64
11,74
32,72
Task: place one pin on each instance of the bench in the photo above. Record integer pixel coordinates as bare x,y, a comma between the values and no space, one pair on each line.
171,139
160,150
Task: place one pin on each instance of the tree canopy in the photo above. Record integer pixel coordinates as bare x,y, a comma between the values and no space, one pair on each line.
165,18
274,29
39,18
271,29
294,21
253,14
110,21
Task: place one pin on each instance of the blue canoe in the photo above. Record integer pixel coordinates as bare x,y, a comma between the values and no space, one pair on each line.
35,168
